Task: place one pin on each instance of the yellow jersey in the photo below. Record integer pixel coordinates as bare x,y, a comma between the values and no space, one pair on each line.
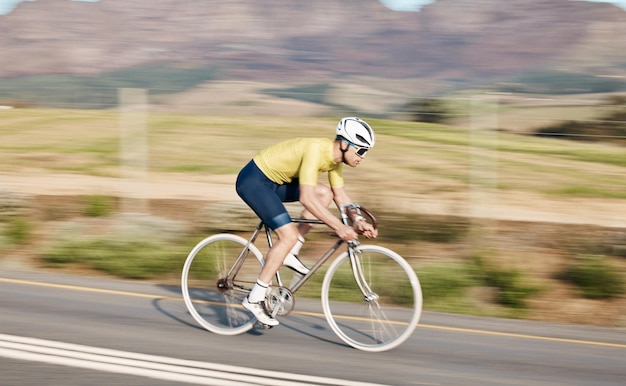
302,158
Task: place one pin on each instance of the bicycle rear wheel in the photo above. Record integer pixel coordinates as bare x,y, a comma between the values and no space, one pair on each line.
212,298
378,320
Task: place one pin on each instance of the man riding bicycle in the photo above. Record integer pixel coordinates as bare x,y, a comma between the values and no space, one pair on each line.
288,172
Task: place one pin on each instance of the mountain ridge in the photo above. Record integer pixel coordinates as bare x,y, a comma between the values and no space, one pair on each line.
324,39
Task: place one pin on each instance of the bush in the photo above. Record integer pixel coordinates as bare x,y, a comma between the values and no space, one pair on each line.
595,277
512,290
615,100
98,206
18,230
609,128
428,110
436,229
124,258
443,280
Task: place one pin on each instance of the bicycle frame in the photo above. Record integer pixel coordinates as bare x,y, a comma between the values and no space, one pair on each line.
268,235
352,245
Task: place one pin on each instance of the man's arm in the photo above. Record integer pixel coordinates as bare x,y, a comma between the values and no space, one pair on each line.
341,198
312,203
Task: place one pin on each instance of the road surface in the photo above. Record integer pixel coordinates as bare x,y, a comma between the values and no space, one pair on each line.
58,329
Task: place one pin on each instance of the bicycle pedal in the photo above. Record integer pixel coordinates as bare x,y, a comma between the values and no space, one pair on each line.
264,326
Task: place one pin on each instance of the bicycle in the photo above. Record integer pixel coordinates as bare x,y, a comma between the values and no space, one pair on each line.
371,296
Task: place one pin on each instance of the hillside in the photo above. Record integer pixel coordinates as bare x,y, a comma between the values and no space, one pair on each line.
450,40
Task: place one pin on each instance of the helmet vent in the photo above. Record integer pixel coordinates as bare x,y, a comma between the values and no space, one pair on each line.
360,137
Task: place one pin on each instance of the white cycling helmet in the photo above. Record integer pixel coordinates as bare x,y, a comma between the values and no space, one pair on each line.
357,131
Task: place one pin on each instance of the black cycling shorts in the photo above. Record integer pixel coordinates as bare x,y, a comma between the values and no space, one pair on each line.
265,196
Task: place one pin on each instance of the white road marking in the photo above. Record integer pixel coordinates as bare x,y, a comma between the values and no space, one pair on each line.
151,366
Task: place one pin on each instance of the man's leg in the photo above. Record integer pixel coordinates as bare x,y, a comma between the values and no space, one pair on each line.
266,199
287,238
325,195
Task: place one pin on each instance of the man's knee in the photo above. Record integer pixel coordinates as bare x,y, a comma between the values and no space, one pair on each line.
288,234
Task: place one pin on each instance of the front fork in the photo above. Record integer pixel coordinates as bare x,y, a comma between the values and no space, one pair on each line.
357,270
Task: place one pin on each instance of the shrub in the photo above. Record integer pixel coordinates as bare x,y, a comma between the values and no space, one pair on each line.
436,229
595,277
609,128
512,289
18,230
615,100
428,110
442,280
124,258
98,206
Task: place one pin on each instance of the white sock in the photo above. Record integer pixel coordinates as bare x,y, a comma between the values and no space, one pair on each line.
296,248
258,292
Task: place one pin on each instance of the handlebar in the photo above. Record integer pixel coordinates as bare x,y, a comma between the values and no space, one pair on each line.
352,211
371,216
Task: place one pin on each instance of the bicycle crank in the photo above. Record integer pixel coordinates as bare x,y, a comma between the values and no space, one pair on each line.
279,302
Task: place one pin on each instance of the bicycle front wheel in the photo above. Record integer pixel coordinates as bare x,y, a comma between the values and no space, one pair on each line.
213,290
384,310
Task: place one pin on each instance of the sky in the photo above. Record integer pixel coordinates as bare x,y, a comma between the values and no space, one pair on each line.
7,6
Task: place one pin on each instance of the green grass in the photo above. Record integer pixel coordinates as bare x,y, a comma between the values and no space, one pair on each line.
504,142
586,191
442,158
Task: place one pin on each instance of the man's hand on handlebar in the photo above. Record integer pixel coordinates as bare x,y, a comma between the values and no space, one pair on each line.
346,233
366,229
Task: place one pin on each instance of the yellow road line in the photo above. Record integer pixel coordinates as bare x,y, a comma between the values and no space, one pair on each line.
523,336
428,326
84,289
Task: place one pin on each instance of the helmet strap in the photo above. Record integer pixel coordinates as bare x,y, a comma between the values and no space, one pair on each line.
343,152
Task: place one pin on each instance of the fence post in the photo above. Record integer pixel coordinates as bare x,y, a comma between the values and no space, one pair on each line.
483,170
133,106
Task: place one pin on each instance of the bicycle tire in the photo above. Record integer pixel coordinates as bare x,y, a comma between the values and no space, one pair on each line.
218,309
373,325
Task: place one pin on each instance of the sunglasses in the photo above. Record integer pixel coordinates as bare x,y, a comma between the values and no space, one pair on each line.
360,150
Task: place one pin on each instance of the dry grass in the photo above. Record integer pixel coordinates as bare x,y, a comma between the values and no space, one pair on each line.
416,167
520,193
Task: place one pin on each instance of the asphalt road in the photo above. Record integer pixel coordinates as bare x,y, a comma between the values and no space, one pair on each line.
73,330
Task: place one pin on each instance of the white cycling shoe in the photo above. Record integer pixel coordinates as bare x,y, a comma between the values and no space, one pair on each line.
259,313
294,263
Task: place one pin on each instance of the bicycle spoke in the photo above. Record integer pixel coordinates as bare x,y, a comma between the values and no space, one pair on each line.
382,328
212,299
381,319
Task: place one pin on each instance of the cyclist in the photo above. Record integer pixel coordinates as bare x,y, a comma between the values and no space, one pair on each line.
288,172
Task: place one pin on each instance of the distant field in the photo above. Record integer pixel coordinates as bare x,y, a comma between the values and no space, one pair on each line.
411,160
524,114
